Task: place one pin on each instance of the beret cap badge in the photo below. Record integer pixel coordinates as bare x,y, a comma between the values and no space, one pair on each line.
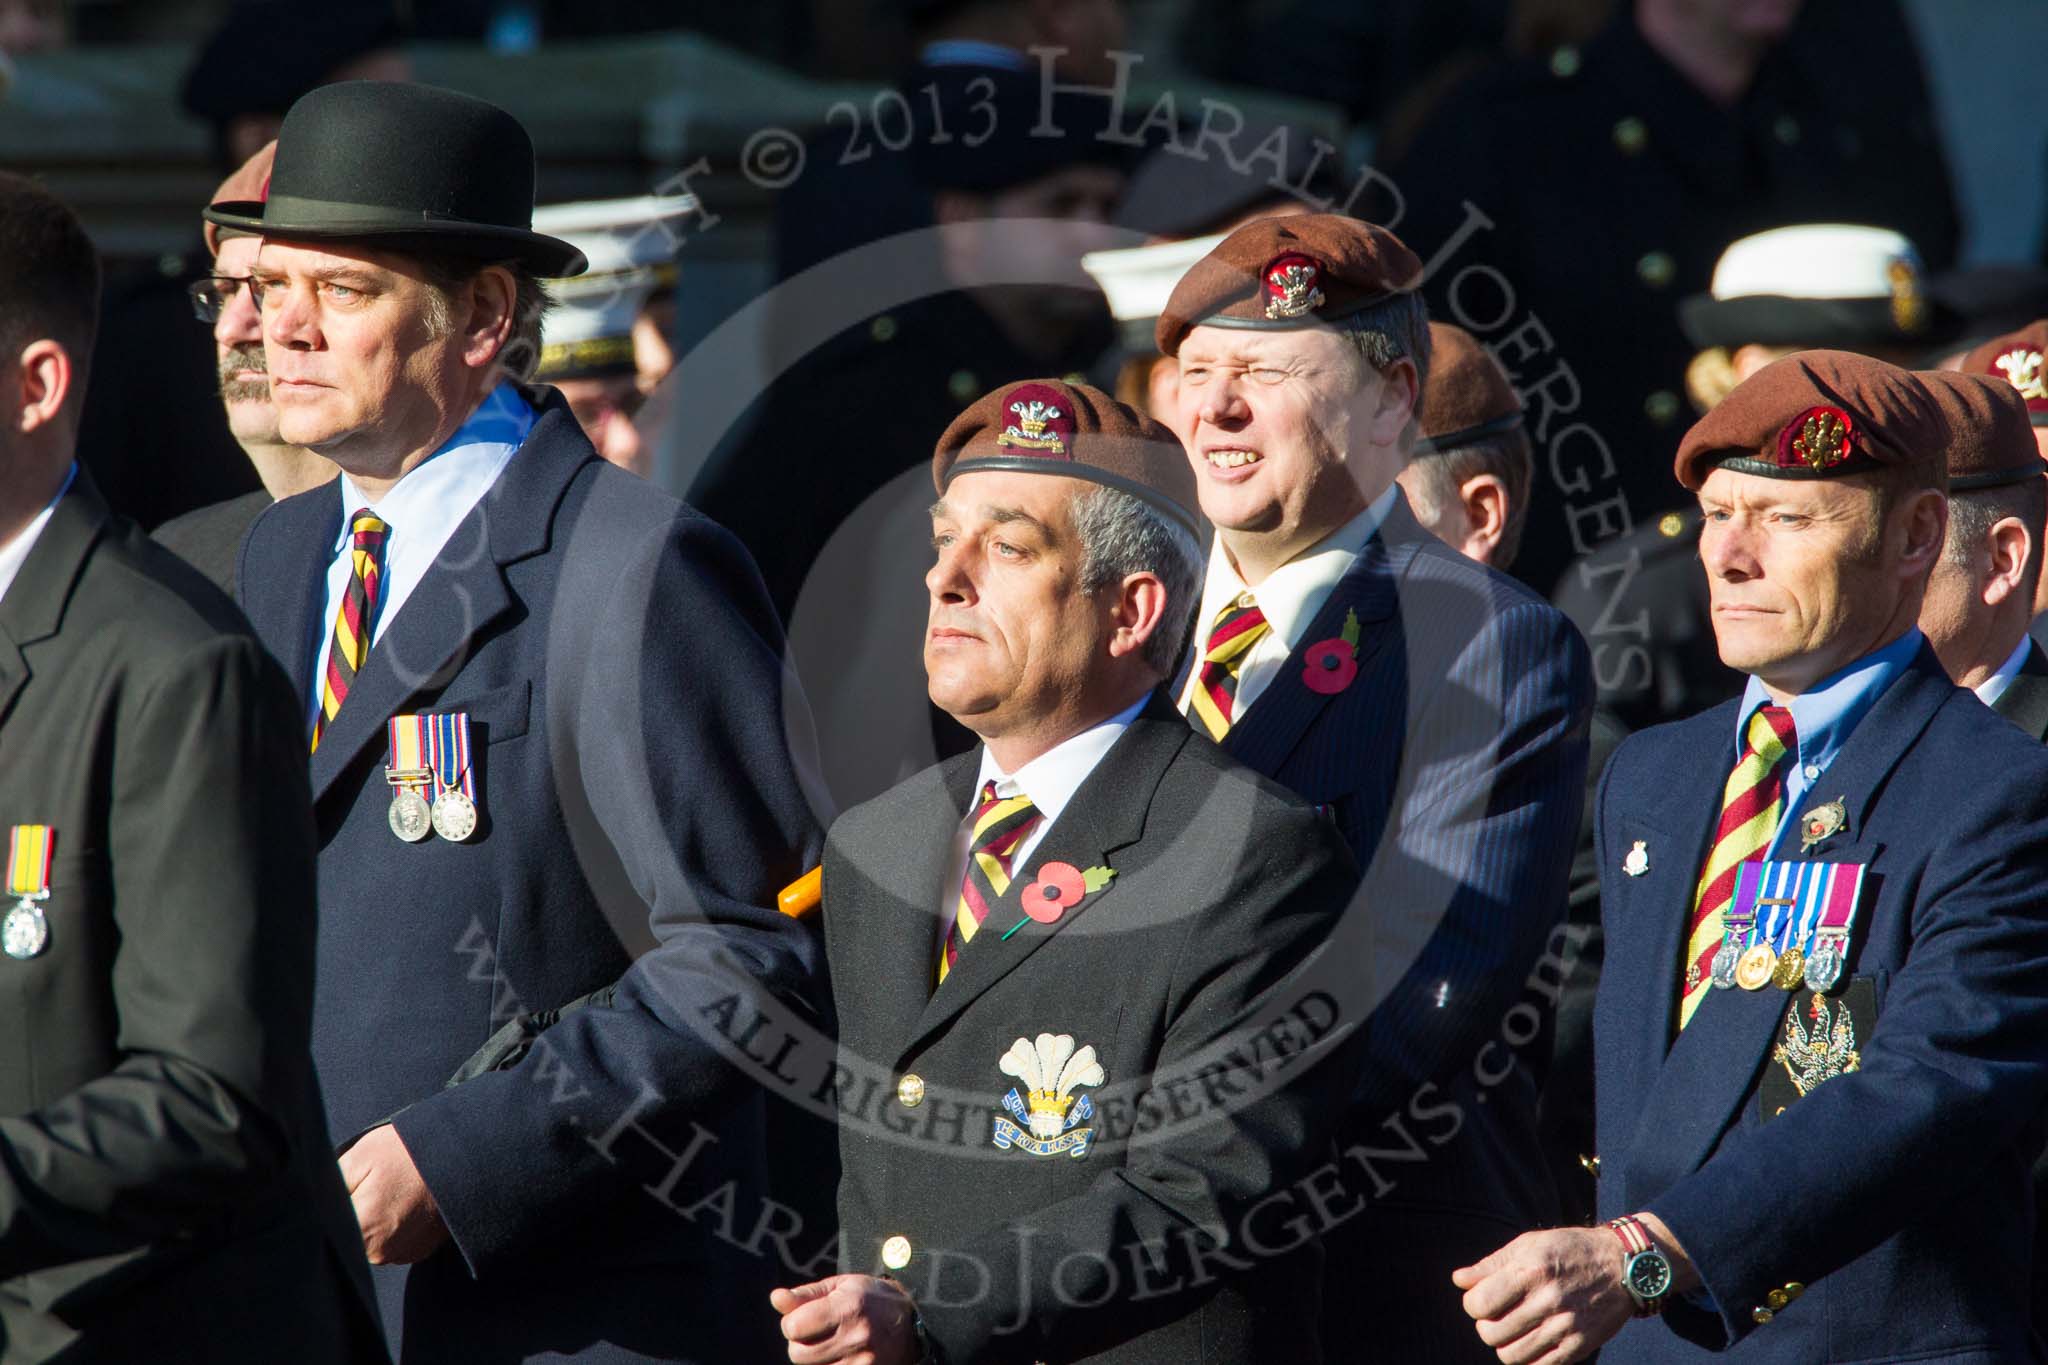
1040,423
2022,369
1293,286
1819,438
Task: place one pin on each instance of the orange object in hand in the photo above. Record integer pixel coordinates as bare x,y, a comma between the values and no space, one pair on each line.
803,895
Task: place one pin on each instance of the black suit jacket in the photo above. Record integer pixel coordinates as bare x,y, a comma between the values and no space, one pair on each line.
163,1170
1158,1242
210,538
632,737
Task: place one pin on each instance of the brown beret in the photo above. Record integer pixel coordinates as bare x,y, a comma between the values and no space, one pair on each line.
2016,358
1818,415
1043,426
1990,443
1297,271
1468,395
249,184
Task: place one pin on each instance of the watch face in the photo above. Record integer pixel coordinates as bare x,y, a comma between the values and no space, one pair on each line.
1648,1275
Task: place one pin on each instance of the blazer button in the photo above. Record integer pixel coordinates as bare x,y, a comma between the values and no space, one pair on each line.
1591,1164
1777,1299
1656,269
910,1090
1793,1289
1761,1315
896,1253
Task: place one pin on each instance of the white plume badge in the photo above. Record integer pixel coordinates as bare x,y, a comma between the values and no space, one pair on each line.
1051,1114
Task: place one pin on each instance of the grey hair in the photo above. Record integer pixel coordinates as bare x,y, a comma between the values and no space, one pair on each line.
1122,534
1973,512
448,276
1392,330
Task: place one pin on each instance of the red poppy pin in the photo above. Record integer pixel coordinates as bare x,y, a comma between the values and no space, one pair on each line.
1059,888
1333,663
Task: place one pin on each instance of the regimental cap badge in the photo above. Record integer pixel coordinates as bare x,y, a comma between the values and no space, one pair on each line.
1051,1110
1294,285
1909,304
1817,439
1038,420
2021,368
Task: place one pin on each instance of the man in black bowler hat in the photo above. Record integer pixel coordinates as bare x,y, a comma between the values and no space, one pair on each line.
529,790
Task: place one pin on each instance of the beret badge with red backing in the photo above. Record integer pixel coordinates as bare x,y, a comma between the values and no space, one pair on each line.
1294,286
1040,424
1817,439
2021,368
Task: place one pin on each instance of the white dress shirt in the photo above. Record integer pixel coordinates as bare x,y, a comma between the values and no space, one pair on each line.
422,511
1050,780
1289,598
14,553
1993,687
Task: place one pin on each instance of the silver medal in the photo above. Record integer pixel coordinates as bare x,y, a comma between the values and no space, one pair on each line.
1725,960
409,817
454,815
25,932
1824,968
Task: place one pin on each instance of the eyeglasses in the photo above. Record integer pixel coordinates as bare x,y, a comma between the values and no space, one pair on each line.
213,294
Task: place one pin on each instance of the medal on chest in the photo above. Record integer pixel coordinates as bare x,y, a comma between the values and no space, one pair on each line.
25,931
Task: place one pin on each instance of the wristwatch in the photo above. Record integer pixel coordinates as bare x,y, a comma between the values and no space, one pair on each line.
1645,1271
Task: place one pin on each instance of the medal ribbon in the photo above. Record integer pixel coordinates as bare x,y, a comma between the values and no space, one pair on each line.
30,849
1844,894
408,743
448,752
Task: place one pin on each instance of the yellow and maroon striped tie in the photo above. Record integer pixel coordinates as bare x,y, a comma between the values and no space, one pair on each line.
1751,805
1239,626
356,618
1000,824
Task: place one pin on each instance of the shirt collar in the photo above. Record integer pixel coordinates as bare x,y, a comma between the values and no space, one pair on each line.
1826,714
1293,593
14,553
500,424
1051,779
973,52
1993,687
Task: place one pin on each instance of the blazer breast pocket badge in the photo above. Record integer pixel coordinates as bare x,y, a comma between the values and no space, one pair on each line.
1051,1115
1821,1038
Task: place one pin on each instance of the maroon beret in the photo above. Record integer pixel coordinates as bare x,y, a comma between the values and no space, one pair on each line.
1468,395
1990,442
1818,415
1296,271
249,184
1044,426
2016,358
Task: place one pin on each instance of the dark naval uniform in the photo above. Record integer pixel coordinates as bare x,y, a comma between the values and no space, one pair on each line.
1612,185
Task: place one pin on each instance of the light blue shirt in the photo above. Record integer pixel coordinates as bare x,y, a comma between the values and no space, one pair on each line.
422,511
1825,716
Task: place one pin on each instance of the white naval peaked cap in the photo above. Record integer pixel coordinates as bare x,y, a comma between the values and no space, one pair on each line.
1816,261
631,246
1138,280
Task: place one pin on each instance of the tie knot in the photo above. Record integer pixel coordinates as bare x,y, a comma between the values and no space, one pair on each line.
1771,731
369,529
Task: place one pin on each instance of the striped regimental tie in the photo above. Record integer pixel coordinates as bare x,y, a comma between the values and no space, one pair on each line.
1239,626
1751,805
1000,824
356,617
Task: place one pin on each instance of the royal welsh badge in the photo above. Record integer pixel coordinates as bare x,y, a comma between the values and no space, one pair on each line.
1293,286
1038,422
1049,1116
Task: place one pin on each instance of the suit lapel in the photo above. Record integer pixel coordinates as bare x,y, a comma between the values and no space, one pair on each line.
1274,723
462,596
2025,702
1107,814
34,605
284,600
1713,1066
902,941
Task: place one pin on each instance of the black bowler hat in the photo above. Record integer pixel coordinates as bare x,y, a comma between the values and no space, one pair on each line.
407,167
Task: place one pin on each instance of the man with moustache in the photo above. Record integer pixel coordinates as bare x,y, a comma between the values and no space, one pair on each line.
1435,707
165,1186
1098,905
209,537
530,790
1820,1081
